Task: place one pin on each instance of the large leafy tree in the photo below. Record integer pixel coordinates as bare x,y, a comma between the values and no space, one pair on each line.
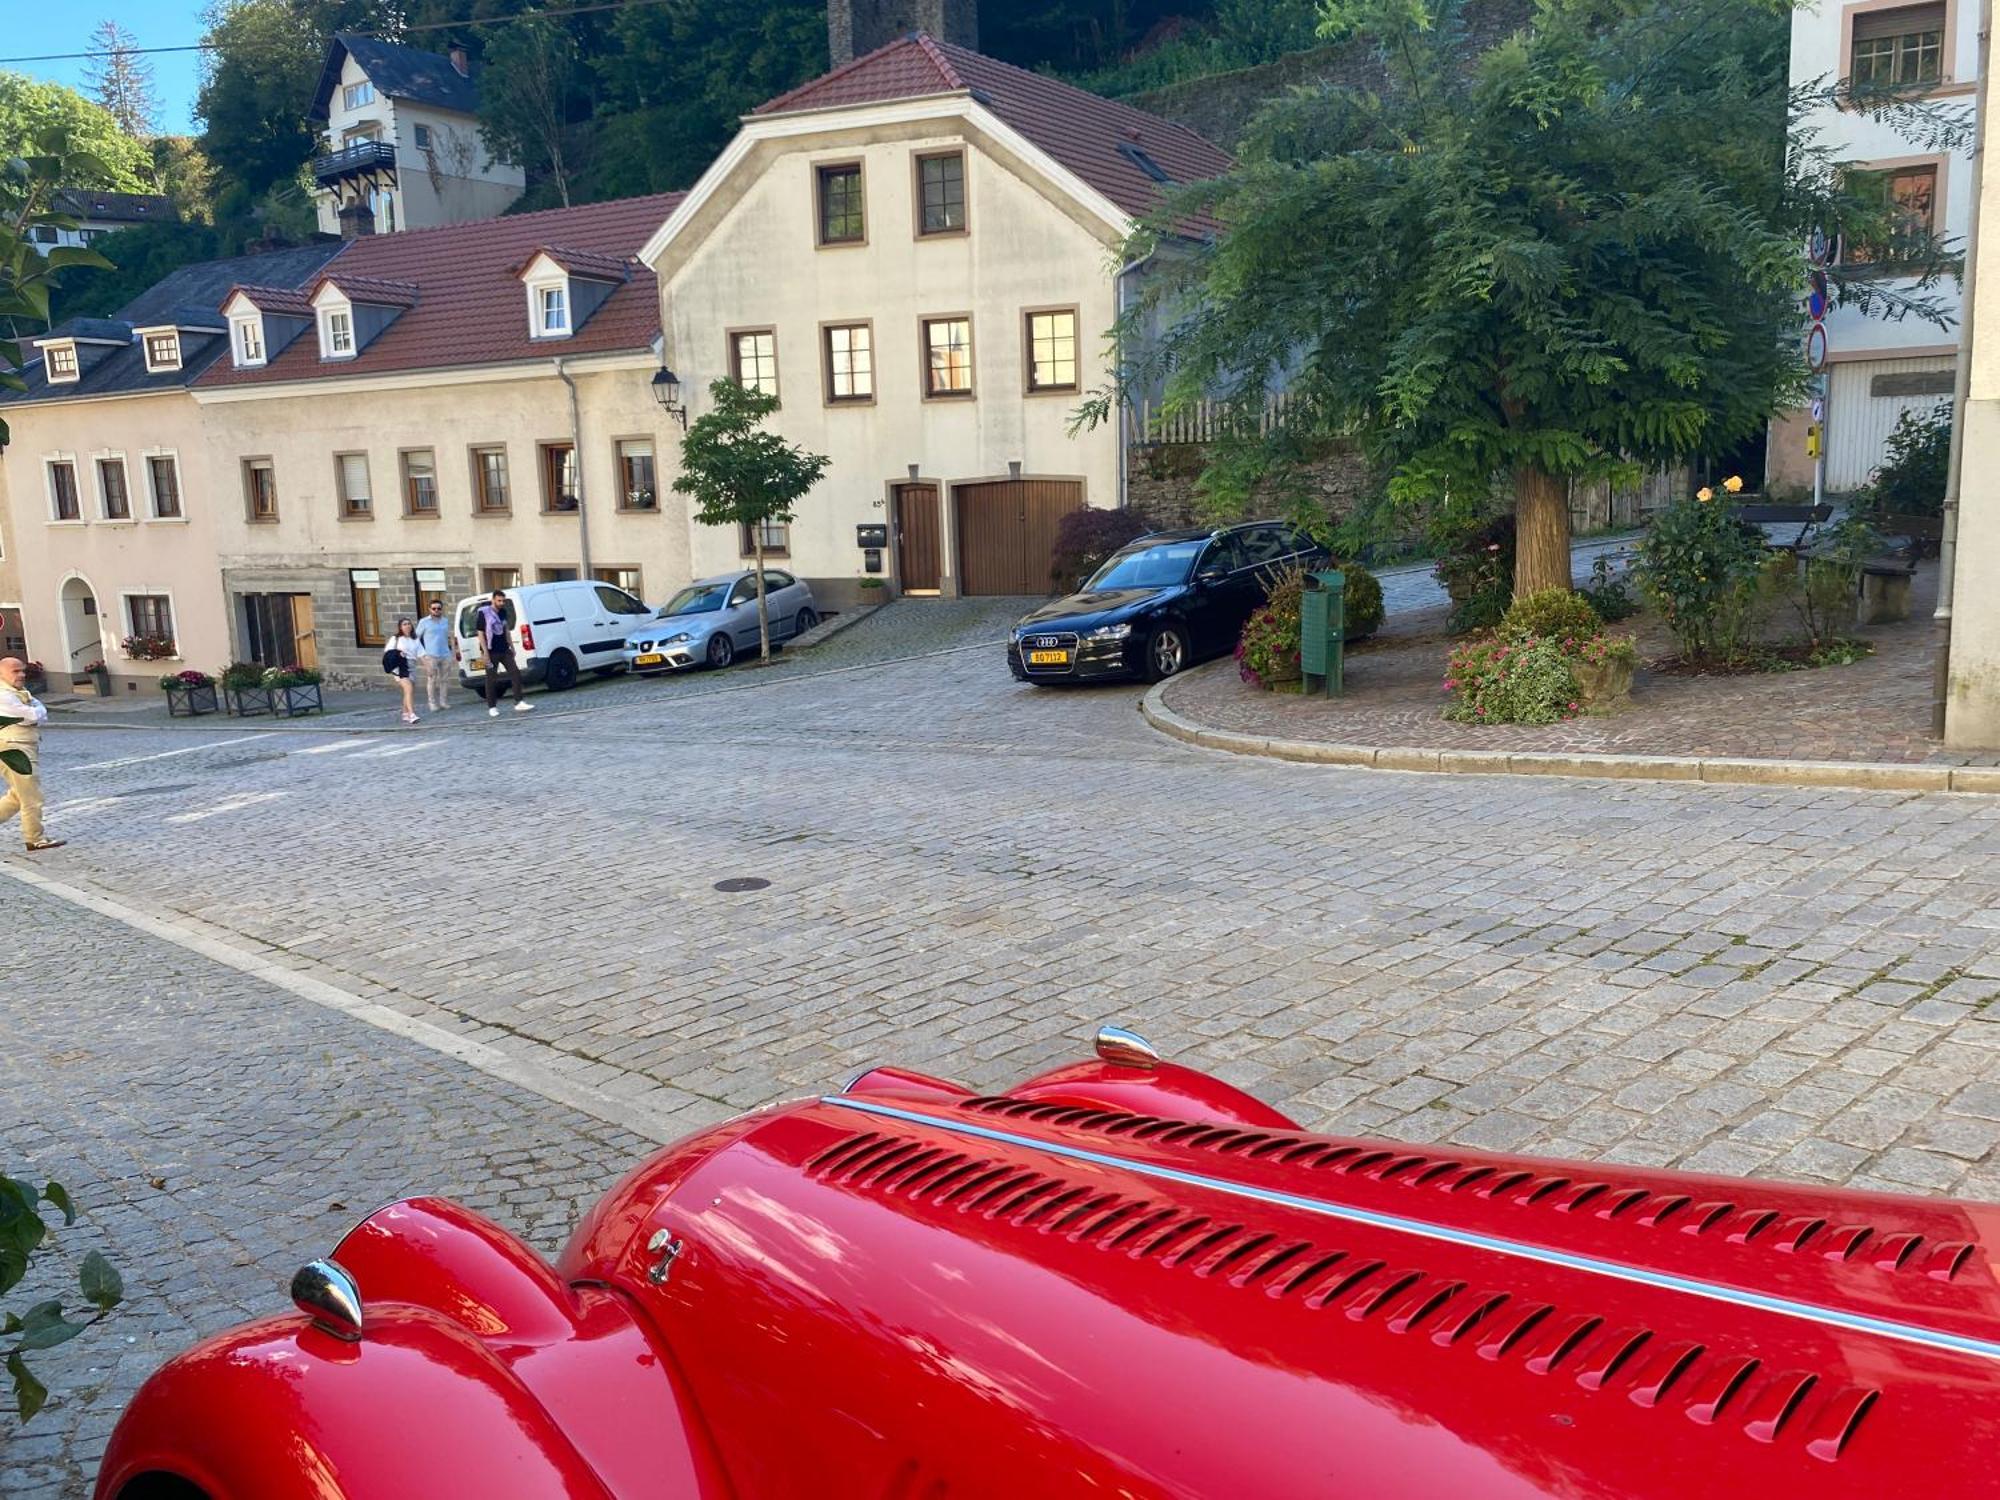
740,473
531,96
32,112
1577,251
29,182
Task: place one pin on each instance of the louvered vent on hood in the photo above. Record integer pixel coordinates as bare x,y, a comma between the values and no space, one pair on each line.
1706,1385
1941,1260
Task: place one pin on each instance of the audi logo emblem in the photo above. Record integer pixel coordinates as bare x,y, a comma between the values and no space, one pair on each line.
1045,640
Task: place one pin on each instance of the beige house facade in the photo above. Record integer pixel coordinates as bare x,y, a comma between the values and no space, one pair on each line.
13,621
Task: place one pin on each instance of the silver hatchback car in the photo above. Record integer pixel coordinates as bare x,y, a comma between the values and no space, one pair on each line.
709,623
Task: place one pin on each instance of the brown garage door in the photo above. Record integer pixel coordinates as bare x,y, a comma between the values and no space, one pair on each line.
1007,532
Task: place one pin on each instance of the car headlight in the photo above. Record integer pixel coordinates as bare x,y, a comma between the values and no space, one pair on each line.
675,640
1116,632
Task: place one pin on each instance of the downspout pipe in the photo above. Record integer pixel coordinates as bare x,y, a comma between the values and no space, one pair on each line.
1122,416
576,448
1961,392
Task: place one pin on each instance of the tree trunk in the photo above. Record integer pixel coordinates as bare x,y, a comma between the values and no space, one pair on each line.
763,604
1541,532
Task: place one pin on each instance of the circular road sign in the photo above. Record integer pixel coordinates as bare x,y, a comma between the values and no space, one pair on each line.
1816,349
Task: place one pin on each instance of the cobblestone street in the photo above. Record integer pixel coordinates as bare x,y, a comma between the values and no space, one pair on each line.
965,875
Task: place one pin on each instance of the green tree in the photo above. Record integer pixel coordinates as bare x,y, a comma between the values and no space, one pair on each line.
105,157
121,80
738,473
1570,254
29,181
530,97
136,259
44,1325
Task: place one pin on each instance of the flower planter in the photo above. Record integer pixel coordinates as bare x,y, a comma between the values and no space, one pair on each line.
38,682
189,702
302,698
1604,683
246,701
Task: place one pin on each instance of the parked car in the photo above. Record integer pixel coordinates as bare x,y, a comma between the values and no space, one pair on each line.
1158,605
559,630
708,623
1122,1277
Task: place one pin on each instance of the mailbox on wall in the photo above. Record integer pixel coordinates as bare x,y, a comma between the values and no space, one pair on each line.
871,534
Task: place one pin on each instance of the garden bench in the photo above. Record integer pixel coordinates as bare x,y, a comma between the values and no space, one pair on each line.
1771,518
1919,536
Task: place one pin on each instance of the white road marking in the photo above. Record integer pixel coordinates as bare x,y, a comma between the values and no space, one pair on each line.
326,749
227,805
133,760
387,751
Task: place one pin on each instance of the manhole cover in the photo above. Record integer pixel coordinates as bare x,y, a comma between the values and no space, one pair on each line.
742,883
153,791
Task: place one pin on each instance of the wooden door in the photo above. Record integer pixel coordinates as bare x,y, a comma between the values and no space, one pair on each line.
1007,532
305,640
917,542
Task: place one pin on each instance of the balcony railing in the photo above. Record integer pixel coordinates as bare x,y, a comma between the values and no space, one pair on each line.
353,161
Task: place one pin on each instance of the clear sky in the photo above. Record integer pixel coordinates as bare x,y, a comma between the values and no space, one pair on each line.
32,27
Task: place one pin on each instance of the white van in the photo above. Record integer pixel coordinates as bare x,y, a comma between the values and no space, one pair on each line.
559,630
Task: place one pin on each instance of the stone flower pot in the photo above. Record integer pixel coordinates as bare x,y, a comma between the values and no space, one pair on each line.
1601,684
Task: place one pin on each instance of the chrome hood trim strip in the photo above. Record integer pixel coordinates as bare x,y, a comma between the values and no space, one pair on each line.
1831,1317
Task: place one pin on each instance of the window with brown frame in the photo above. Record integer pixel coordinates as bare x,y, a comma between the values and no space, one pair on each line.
364,587
776,534
843,218
498,578
357,497
150,615
260,489
420,487
753,359
627,579
1898,47
165,473
111,485
947,356
555,573
1052,351
62,487
489,481
433,586
558,476
941,193
1909,196
635,475
849,353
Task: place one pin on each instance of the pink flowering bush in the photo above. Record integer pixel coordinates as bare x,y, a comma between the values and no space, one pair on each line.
1530,680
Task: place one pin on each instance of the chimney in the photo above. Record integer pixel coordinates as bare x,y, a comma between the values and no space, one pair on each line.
854,28
461,62
356,219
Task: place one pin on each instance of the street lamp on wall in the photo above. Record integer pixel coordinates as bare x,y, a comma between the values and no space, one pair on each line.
667,391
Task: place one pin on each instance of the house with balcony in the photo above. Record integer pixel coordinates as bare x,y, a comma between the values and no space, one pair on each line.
402,145
918,253
1878,368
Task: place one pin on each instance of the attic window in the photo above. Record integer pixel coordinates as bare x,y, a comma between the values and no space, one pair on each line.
422,134
357,94
163,351
249,342
552,311
1138,157
336,333
60,363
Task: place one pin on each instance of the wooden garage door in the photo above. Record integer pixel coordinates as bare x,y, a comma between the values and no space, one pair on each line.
1007,532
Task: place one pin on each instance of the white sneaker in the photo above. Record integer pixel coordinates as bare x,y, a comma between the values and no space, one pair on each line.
524,707
492,713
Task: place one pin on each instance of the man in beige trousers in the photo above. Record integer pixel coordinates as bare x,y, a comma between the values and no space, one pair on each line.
24,739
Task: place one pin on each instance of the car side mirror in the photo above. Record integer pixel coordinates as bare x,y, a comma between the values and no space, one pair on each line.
1210,575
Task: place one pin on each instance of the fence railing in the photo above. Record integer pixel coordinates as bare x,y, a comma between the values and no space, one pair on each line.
1205,421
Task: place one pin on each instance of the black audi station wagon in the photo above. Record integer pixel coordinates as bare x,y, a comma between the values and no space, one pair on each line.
1159,604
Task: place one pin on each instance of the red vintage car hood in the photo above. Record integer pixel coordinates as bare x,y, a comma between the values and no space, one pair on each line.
914,1296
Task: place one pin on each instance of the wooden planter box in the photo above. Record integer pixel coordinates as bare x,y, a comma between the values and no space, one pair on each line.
247,701
304,699
189,702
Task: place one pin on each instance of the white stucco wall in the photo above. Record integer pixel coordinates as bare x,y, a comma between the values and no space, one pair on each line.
750,259
116,558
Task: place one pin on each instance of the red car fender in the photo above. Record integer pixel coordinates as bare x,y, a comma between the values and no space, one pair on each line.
1165,1089
478,1373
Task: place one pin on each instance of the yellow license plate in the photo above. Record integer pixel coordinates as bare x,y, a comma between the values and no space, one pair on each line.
650,659
1048,658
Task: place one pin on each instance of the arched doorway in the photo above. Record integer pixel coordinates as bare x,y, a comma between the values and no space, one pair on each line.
83,636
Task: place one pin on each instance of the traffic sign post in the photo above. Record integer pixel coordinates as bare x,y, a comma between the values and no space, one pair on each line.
1818,301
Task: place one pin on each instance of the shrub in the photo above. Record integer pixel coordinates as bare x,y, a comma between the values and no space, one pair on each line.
243,674
1552,612
24,1238
1268,652
279,677
1911,481
1362,601
187,679
1476,566
1697,563
1085,538
1822,589
1607,594
1500,681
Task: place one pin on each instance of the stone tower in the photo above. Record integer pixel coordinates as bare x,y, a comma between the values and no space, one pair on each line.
854,28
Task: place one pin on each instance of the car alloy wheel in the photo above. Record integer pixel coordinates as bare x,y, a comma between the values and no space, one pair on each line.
721,650
806,620
1166,653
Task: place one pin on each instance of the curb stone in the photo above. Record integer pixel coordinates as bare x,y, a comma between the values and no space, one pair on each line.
1872,776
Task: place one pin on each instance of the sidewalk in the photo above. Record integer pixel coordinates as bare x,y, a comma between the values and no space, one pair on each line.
1873,713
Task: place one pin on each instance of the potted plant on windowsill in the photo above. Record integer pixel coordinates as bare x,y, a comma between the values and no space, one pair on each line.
295,690
245,691
189,693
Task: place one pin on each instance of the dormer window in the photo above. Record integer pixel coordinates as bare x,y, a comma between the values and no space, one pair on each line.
552,319
248,342
60,363
163,350
336,333
566,286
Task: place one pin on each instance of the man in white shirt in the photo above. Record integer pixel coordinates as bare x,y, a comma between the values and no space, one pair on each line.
21,745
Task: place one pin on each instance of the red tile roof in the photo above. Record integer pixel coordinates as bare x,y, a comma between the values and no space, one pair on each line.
581,262
370,289
1081,130
270,299
468,307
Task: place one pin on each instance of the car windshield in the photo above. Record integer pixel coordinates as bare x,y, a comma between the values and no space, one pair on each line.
696,599
1155,567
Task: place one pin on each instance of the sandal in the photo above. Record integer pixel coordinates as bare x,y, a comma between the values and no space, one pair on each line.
40,844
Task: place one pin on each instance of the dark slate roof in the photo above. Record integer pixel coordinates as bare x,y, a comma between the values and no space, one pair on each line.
187,297
116,208
398,72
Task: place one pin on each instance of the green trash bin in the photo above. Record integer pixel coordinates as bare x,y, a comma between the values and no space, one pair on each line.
1323,631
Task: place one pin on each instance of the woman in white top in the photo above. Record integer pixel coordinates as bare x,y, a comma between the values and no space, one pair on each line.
398,659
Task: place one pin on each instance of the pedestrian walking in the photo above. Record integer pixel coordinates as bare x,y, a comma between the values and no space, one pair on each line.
24,738
496,617
399,661
437,654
